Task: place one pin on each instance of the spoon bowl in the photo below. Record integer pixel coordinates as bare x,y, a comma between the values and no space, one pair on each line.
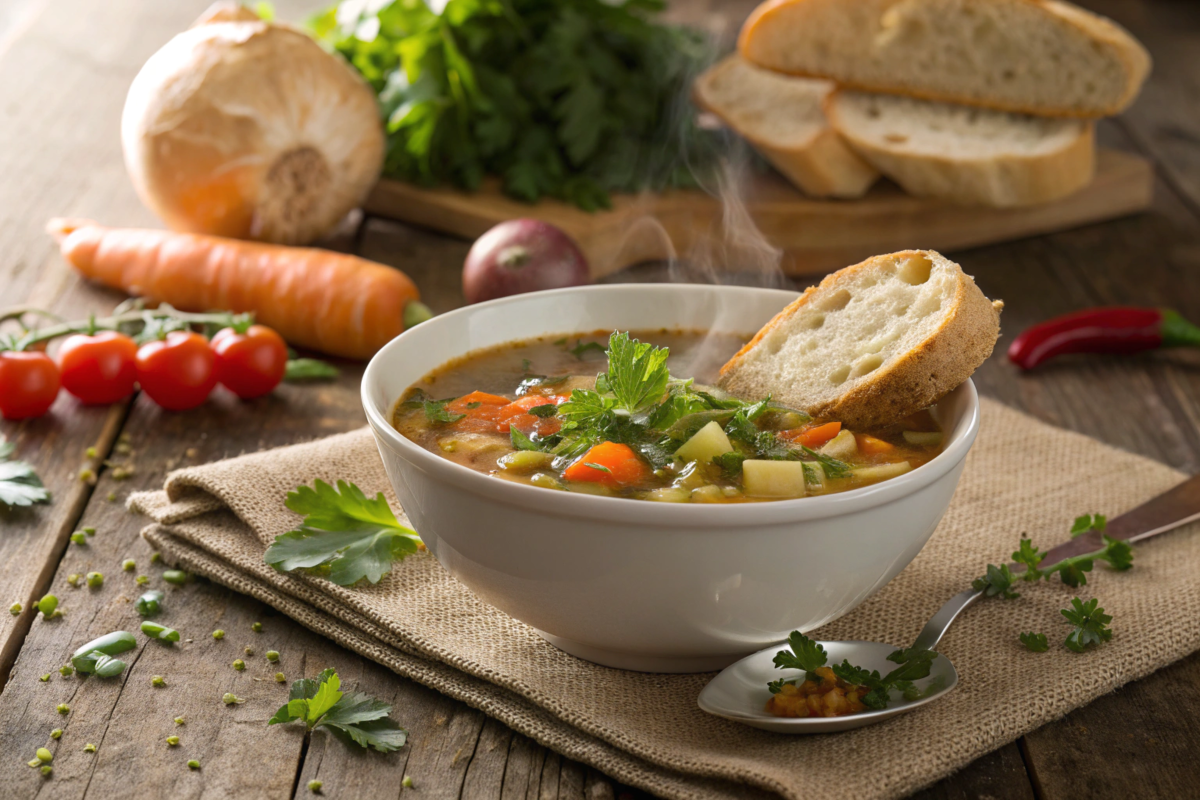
740,693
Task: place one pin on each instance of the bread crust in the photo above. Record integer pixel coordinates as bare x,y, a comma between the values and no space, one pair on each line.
912,382
1128,50
823,166
1002,182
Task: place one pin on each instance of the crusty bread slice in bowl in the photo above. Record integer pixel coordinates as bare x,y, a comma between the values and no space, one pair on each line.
1032,56
781,116
964,154
871,343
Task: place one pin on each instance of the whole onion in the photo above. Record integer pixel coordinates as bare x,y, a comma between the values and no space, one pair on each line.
522,255
239,127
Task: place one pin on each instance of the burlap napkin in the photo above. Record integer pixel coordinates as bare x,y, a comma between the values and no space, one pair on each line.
646,730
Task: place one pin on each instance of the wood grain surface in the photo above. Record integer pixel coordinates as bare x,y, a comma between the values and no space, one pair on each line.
64,69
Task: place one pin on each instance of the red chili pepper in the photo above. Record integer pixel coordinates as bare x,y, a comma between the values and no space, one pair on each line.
1112,329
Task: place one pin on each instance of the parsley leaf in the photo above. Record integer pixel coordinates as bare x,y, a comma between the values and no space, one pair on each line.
581,349
730,463
549,409
435,411
19,484
1030,556
1088,522
353,717
804,654
1090,625
522,442
352,536
1035,642
637,373
997,581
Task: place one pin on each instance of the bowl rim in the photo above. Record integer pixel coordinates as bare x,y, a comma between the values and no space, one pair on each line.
641,512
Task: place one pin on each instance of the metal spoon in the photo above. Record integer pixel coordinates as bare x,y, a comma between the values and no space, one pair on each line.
740,693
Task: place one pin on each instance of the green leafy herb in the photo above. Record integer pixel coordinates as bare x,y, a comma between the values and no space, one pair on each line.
474,405
562,98
1088,522
435,411
637,372
546,410
1089,625
352,536
522,442
808,655
581,349
1030,556
730,463
309,369
19,484
1035,642
352,717
833,468
600,467
997,582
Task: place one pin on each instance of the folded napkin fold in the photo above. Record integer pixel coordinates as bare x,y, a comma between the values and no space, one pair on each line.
1023,477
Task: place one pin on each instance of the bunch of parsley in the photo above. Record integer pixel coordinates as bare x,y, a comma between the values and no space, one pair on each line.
570,99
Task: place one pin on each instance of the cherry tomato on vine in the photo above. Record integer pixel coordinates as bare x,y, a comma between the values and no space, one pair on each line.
250,364
177,372
98,369
29,383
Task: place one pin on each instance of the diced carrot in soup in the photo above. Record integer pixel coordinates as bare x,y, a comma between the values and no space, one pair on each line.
517,414
812,436
870,445
615,465
489,405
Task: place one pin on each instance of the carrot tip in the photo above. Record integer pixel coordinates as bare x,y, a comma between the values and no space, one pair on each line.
65,226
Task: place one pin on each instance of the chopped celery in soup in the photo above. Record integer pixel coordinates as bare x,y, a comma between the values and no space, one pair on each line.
576,415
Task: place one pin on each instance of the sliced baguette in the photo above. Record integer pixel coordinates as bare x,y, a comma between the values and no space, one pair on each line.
872,343
1030,56
781,117
967,155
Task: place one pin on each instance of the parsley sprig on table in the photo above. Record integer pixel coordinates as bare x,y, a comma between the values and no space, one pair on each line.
1089,624
1072,571
352,717
808,655
345,536
563,98
19,484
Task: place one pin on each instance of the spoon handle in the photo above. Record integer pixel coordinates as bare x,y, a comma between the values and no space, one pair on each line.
1177,506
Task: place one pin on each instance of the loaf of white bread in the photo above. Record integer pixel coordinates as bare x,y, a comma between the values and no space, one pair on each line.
783,118
1030,56
971,101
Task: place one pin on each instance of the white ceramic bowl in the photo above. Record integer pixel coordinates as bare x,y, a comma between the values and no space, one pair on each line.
658,587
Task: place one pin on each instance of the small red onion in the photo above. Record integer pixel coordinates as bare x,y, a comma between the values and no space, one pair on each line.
522,255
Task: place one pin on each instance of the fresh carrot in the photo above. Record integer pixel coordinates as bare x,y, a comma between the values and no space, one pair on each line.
870,445
332,302
615,465
812,435
481,409
516,415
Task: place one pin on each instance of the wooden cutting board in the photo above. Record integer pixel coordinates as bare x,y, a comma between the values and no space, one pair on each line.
815,236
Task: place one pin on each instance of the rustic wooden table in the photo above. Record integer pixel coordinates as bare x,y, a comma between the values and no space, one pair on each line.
64,68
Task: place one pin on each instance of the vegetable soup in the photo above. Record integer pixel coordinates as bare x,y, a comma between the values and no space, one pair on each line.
615,418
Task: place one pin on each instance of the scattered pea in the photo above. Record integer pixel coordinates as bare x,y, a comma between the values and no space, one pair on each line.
141,580
193,764
407,782
175,576
90,452
95,580
44,755
280,677
179,720
256,627
89,530
172,740
112,497
249,650
48,605
123,448
272,656
66,670
239,665
218,634
89,748
62,708
15,609
231,699
122,473
157,680
87,475
79,537
129,565
314,787
36,762
45,677
56,733
155,557
47,770
73,580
